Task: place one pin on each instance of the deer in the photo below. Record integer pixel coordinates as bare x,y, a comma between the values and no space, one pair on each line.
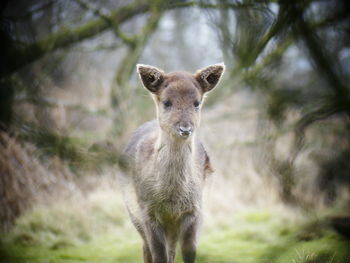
167,164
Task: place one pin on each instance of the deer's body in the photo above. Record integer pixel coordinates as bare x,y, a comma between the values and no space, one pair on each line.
168,166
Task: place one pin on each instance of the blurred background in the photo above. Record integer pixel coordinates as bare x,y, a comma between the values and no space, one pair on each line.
277,128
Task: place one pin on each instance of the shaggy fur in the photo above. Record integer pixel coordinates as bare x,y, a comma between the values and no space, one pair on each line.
168,165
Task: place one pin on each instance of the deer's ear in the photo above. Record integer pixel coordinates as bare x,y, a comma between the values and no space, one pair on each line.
151,77
210,76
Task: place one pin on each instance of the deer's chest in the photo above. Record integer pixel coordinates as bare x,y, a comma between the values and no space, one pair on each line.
175,189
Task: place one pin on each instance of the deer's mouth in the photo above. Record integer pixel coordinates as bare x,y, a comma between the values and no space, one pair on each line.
185,132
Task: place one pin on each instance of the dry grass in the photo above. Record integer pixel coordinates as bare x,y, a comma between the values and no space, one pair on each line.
236,134
229,130
74,219
24,178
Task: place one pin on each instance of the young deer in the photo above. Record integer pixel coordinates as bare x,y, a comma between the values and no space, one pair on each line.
168,164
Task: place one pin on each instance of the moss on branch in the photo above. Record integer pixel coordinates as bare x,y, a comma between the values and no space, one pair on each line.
65,37
18,57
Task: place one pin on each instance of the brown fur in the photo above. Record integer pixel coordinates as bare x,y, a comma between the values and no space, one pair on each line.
168,165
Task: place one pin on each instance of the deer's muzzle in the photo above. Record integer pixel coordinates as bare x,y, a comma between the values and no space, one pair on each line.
185,130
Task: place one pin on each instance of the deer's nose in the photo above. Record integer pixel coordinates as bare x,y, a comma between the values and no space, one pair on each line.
185,130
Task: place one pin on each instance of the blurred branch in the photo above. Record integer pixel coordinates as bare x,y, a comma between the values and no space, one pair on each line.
32,12
87,6
221,5
126,67
141,38
274,29
283,45
269,58
116,29
326,64
338,16
18,57
322,112
107,47
328,67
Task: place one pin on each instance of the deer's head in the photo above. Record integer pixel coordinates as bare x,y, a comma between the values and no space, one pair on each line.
179,96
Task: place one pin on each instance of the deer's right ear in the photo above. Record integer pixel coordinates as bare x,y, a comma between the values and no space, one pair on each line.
210,76
151,77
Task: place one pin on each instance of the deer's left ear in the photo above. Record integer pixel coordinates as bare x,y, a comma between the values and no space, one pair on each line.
210,76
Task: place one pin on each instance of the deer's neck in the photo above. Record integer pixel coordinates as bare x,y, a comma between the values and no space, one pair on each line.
175,161
175,149
176,177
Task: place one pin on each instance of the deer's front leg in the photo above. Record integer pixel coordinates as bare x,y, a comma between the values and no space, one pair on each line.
191,224
156,242
147,256
172,237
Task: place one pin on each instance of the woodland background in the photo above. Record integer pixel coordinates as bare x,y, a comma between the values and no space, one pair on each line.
277,127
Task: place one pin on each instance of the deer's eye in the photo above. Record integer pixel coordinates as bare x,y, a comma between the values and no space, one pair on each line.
167,104
196,104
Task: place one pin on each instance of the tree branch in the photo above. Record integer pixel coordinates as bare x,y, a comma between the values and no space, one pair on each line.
327,65
126,67
275,28
121,35
273,55
287,42
19,56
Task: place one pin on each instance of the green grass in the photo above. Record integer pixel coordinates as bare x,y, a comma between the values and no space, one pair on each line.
106,248
54,234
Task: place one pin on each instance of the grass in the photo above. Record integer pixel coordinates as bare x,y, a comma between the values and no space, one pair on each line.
95,229
106,248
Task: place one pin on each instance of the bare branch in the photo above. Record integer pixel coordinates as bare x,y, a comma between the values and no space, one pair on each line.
283,46
270,57
326,64
18,57
116,29
126,67
104,47
237,5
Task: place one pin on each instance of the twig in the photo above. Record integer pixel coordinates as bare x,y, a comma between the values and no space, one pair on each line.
116,29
